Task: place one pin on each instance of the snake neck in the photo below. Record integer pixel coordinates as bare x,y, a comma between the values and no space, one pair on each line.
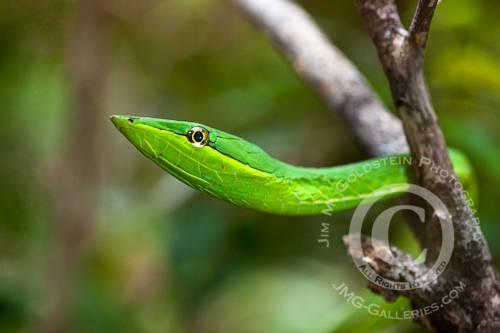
292,190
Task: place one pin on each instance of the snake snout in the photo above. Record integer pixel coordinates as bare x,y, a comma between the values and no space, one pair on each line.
118,121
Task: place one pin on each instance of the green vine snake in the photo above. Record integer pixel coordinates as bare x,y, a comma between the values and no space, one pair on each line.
235,170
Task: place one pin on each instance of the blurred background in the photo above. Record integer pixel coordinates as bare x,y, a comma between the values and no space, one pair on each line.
96,238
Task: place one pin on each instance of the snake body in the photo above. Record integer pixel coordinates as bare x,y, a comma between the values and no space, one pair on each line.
235,170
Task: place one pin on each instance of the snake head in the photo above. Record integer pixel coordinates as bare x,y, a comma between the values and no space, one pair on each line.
200,156
176,146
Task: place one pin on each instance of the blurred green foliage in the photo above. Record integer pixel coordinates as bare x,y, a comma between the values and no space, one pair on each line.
164,258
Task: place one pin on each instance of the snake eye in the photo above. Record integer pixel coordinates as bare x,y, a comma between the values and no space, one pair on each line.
198,136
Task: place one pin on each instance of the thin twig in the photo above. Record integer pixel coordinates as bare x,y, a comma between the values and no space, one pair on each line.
420,26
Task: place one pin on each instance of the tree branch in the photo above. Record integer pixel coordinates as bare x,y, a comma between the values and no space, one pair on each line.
401,55
345,90
329,73
398,266
384,26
